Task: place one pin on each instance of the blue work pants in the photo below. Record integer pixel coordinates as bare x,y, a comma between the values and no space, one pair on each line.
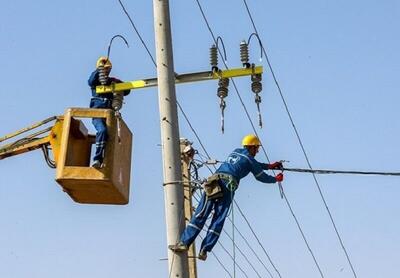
220,207
101,138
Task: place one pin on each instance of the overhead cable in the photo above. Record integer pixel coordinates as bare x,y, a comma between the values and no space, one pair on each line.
237,247
258,240
301,143
251,228
137,32
219,261
323,172
252,249
255,131
186,118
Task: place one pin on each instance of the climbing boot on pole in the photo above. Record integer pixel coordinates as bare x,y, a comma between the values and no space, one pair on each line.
202,255
179,247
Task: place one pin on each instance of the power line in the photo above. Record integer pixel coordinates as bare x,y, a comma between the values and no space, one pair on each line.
137,32
246,241
155,64
151,56
193,130
251,228
258,240
219,261
324,171
237,247
252,249
300,142
254,129
186,118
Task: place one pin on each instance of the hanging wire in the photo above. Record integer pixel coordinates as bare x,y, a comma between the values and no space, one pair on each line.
252,230
233,233
259,43
218,260
301,143
248,223
214,53
322,172
111,41
258,240
186,118
51,163
252,249
236,246
255,131
137,32
180,108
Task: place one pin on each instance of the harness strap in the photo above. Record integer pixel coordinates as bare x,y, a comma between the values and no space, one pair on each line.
231,182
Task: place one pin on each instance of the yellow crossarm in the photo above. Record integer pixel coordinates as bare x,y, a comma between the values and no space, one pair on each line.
180,78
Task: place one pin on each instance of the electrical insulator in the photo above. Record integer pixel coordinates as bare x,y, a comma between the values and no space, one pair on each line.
117,101
244,54
256,85
116,104
222,93
214,57
103,76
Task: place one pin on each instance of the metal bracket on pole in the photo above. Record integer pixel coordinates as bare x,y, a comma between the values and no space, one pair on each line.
180,79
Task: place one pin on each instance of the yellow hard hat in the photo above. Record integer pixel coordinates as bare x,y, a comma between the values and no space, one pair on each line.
251,140
103,61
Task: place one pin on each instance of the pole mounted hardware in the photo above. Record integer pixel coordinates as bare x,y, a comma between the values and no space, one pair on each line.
179,79
256,86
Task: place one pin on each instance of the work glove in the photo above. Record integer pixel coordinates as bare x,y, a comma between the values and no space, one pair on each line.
276,166
279,177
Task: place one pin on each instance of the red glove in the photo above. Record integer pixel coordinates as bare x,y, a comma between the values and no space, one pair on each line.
279,177
275,166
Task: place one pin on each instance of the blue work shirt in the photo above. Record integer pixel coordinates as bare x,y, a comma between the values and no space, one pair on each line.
102,100
240,163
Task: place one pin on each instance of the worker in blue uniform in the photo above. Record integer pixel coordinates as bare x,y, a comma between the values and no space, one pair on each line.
103,101
219,191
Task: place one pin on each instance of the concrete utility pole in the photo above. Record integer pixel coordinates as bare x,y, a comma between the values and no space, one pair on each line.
173,189
187,153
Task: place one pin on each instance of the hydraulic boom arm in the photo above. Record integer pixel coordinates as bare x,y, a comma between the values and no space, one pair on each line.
33,138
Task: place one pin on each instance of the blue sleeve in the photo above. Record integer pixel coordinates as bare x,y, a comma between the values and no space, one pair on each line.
258,172
93,78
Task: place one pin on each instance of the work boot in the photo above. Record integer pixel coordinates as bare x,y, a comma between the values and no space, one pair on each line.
179,247
96,164
202,255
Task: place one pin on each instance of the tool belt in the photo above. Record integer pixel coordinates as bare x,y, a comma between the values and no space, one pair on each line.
213,189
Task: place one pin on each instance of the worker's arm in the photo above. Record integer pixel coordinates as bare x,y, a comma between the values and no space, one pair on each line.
93,79
273,166
258,172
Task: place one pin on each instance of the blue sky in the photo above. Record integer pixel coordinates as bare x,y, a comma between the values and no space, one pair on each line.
338,65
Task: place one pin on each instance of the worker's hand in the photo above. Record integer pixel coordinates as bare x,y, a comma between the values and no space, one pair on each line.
279,177
276,166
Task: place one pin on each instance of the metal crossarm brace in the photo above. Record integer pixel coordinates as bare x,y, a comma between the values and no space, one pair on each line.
180,78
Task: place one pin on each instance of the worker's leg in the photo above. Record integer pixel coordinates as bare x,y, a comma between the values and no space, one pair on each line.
198,220
101,138
221,209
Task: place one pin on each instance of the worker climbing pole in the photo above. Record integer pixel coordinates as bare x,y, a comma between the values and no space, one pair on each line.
219,191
